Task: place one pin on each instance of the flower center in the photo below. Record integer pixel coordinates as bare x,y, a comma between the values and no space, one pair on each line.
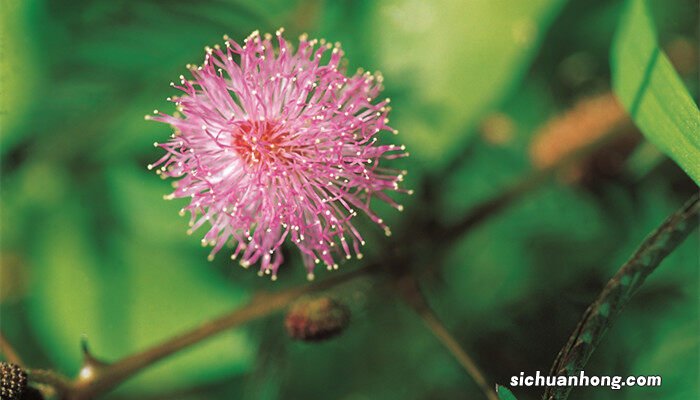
257,141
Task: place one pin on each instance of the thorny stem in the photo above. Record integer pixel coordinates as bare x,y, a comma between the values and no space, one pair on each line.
97,378
602,313
410,292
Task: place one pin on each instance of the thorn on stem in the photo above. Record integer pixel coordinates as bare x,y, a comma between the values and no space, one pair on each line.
91,366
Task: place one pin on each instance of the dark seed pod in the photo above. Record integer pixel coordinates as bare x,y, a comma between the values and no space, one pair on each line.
313,320
13,381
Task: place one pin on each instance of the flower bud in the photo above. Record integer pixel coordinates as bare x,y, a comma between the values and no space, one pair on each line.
316,319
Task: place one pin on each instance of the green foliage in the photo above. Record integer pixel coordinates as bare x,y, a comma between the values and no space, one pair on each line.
652,91
504,393
455,60
107,257
19,94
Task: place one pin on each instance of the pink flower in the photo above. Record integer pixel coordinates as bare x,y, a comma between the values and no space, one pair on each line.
273,144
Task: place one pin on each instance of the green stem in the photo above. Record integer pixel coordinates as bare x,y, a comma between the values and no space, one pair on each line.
410,292
603,312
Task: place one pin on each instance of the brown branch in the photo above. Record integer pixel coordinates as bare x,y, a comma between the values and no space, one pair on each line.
410,292
9,352
602,313
98,378
49,382
491,206
486,209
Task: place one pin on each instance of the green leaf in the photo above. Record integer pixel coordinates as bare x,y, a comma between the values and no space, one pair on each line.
672,348
504,393
137,197
643,160
652,92
21,80
455,59
531,235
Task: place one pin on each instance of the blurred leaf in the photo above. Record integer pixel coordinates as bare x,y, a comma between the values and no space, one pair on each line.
132,296
504,393
643,160
652,92
18,69
35,189
138,200
672,348
456,59
154,26
500,262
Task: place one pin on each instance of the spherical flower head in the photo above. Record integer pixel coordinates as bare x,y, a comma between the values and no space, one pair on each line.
273,144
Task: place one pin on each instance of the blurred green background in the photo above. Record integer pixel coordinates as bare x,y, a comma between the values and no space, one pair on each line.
90,248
